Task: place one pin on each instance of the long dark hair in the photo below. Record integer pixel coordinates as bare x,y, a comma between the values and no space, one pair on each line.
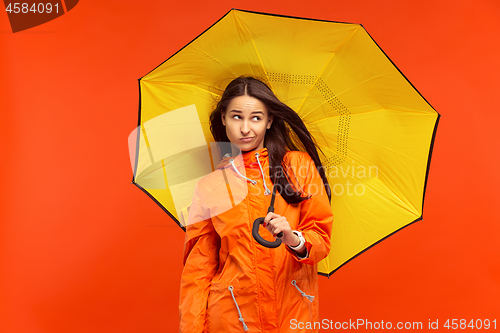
287,132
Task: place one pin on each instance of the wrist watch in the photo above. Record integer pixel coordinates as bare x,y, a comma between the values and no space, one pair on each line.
302,241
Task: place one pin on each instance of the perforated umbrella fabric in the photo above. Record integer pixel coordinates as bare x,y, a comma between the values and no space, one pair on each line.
374,129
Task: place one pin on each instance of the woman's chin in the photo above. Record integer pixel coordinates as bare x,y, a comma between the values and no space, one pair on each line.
246,147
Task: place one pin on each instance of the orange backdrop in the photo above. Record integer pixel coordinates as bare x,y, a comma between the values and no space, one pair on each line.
83,250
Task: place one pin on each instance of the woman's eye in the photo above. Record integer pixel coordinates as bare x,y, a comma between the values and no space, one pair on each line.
256,118
236,116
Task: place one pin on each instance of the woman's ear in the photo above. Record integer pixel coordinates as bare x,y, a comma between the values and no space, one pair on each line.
269,123
222,116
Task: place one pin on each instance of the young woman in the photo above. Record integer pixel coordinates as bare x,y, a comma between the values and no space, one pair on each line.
231,283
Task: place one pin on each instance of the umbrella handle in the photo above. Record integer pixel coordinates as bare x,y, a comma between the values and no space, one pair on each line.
262,241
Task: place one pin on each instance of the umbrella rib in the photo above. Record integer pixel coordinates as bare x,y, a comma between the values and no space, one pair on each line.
315,108
208,91
411,112
242,26
360,83
399,202
197,87
383,147
404,204
323,70
218,62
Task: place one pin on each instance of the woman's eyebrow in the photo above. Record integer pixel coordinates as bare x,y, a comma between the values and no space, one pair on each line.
238,111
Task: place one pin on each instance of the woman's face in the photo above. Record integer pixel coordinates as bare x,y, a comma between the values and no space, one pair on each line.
246,120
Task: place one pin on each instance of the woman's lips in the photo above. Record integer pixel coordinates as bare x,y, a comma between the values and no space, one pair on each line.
246,139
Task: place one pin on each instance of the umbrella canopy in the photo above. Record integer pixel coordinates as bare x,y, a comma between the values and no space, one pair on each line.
374,128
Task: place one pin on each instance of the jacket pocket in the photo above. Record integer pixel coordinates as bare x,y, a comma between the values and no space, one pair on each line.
304,293
224,312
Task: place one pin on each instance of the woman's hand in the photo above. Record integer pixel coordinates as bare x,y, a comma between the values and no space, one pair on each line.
275,224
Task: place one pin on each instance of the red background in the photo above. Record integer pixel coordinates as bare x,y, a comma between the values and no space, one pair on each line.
83,250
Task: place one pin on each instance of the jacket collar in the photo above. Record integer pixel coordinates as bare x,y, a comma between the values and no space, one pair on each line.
249,157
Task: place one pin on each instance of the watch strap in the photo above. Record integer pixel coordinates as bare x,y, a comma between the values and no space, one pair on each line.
302,241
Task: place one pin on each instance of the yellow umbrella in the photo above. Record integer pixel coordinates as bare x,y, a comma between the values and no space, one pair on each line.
376,131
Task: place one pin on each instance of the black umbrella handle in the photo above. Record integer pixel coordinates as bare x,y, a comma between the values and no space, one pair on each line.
259,221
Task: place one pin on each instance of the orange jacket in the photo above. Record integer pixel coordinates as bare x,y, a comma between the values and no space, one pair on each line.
230,283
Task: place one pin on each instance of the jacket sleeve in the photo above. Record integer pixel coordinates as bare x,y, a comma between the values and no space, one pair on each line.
316,216
201,260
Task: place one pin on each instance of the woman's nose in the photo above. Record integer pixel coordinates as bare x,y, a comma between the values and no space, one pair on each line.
245,129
